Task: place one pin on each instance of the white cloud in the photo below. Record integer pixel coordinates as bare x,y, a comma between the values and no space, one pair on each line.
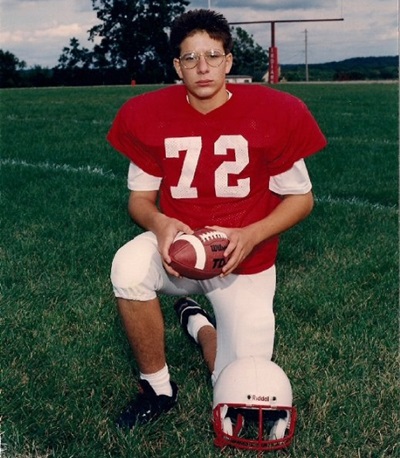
37,31
37,36
61,30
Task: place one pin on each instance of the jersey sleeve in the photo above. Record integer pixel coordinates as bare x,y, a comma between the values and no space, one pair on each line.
124,136
139,180
299,136
295,181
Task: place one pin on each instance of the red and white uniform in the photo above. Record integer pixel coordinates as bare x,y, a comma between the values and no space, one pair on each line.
215,168
225,168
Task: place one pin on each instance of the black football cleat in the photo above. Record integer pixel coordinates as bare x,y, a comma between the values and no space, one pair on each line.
147,406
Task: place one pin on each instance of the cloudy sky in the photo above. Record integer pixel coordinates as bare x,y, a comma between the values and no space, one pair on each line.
36,31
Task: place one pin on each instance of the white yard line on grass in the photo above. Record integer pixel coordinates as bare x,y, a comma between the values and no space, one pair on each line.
351,201
59,167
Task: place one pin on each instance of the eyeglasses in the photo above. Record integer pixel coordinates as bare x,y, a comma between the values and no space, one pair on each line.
214,58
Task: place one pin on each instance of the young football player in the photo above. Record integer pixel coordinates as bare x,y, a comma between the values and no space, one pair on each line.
204,153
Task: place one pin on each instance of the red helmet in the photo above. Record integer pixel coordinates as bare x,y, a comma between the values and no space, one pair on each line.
252,406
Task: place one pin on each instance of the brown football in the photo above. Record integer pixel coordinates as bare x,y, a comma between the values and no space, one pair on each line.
199,256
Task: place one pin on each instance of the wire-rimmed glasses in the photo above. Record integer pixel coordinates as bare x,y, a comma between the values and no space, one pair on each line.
213,57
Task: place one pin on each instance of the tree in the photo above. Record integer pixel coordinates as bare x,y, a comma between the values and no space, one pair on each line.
75,65
74,56
249,58
134,34
10,66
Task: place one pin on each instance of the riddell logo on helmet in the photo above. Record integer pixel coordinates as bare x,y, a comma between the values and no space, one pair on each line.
254,397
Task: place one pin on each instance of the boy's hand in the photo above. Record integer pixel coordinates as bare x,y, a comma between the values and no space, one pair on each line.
241,244
166,231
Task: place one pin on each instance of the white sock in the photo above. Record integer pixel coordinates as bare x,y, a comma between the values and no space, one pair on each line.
195,323
159,381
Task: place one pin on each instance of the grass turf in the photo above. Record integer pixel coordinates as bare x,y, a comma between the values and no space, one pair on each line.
67,368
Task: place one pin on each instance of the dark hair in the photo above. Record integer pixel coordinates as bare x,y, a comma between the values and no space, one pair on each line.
194,21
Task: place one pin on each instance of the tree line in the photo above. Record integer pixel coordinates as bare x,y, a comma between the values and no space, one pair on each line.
354,69
130,44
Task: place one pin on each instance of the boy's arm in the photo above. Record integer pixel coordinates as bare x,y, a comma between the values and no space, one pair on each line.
293,209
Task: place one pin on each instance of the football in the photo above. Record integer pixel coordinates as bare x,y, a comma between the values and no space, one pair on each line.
200,255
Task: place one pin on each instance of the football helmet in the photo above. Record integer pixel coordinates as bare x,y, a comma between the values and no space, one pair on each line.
252,406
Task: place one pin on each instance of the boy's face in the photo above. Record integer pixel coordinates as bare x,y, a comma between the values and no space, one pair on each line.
204,81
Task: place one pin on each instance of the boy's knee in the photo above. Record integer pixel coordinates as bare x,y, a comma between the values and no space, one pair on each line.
132,272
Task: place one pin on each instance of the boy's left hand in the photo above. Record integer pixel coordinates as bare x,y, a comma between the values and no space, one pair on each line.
240,246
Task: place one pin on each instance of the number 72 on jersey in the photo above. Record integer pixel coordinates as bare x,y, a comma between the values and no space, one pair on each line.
193,146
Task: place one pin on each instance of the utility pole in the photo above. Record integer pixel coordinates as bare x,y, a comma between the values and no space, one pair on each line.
306,50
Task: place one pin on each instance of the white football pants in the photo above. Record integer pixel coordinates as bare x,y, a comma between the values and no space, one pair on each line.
242,304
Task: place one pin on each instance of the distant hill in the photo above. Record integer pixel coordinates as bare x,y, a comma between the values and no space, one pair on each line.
357,69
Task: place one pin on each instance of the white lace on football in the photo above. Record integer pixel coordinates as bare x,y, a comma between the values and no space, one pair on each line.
212,235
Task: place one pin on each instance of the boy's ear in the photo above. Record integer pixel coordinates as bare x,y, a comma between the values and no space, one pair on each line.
177,67
228,63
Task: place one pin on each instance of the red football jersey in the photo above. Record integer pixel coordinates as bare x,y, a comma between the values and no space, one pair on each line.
215,167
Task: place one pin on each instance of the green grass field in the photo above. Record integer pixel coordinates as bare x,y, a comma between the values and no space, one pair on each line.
66,366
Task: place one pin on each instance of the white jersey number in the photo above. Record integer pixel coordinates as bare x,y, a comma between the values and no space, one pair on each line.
192,146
